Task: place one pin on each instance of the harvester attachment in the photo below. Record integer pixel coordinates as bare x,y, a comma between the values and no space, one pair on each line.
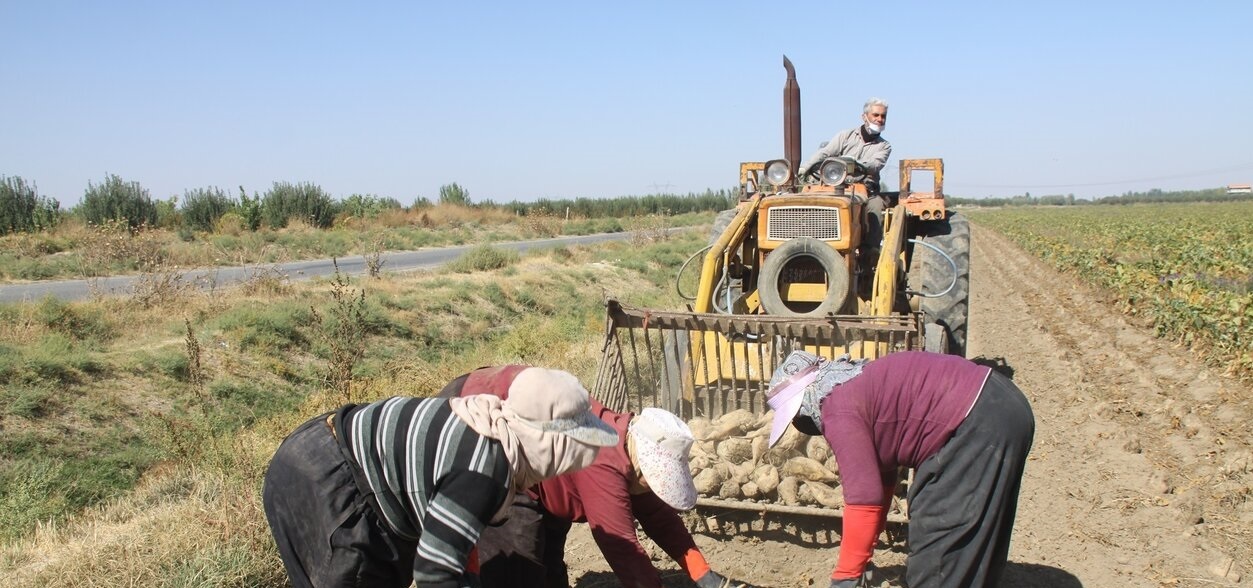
713,370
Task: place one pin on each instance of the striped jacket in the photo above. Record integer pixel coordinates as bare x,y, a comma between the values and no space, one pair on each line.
437,482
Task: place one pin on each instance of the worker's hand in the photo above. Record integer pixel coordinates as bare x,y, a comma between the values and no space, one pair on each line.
866,579
712,580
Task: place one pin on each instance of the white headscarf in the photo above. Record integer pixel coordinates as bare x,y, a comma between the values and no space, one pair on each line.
540,425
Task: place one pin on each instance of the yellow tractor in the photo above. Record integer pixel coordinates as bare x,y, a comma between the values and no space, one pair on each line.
790,268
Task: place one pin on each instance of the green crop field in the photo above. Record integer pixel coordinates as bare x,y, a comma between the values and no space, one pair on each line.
1186,267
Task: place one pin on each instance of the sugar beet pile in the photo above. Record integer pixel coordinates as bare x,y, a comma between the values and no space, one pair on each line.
731,460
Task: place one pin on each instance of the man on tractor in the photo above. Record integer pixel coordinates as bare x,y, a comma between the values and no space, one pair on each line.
865,145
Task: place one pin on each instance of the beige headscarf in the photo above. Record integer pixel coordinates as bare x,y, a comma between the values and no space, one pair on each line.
545,426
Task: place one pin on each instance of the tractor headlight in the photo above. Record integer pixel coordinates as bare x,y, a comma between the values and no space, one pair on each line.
834,171
778,172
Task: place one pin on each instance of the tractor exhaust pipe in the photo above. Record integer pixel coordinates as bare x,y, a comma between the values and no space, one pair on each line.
791,119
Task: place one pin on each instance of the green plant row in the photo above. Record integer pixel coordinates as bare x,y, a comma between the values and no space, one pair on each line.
1186,267
203,209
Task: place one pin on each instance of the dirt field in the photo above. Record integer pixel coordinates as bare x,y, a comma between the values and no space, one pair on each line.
1141,474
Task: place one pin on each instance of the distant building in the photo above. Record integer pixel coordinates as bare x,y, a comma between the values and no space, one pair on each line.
1239,189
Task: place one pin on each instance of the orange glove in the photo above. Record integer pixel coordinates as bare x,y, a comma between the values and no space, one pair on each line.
695,564
861,523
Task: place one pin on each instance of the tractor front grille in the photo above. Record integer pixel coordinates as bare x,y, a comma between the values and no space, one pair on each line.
790,222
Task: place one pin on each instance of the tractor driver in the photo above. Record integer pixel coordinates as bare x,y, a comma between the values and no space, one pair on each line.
864,143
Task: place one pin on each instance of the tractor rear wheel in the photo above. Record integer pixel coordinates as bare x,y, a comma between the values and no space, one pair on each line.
721,222
931,274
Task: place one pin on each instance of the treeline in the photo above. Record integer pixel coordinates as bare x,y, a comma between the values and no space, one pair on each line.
1152,196
115,200
624,206
22,209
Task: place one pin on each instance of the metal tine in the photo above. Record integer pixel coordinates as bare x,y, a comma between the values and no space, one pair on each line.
827,340
758,399
836,339
652,362
615,377
856,334
719,396
736,396
691,369
605,386
635,361
728,381
622,389
746,384
795,336
601,388
706,393
665,367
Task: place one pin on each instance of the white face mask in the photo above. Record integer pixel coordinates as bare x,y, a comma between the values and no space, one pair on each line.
874,129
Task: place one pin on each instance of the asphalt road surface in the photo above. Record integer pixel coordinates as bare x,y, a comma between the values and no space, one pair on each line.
296,270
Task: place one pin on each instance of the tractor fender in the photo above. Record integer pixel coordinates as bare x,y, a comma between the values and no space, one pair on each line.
768,284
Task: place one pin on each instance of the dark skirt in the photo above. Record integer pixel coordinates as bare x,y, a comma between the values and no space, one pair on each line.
963,499
327,528
526,551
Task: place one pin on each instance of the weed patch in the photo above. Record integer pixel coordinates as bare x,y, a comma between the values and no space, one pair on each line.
343,331
483,258
161,285
30,496
268,328
82,323
55,358
28,401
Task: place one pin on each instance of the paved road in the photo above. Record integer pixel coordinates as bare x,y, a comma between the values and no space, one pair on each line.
297,270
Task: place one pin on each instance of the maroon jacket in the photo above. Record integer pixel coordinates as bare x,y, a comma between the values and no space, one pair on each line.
897,412
597,495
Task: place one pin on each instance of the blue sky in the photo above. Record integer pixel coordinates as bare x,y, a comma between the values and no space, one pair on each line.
584,99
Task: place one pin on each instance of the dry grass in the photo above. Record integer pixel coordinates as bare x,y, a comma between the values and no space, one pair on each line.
181,526
197,521
74,249
450,215
542,223
198,525
648,229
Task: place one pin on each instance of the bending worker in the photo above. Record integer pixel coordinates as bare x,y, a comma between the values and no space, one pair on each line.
644,477
964,428
397,491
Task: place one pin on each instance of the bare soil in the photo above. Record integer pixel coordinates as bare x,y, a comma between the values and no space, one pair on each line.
1141,474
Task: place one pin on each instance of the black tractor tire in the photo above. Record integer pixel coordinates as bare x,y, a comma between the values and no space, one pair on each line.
721,222
778,260
930,273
